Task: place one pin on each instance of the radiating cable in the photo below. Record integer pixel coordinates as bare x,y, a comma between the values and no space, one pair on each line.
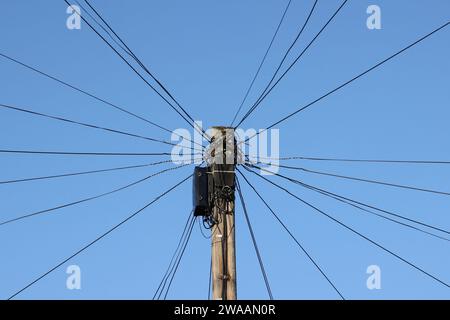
180,258
328,174
255,244
262,96
121,109
356,232
139,62
80,173
393,214
353,160
293,63
261,63
33,214
350,81
99,238
92,126
163,281
292,236
134,69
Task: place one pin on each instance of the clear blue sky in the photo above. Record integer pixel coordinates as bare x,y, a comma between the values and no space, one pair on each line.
206,52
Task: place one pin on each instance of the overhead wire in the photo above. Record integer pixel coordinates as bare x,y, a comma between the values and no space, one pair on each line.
352,160
253,108
69,153
322,212
181,240
194,125
103,235
80,173
316,265
70,204
92,126
180,257
255,244
134,69
95,97
261,97
262,62
359,203
328,174
349,81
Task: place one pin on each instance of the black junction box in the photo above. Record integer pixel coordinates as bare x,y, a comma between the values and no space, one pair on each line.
200,191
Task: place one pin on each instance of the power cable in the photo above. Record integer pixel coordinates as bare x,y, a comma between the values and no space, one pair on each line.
355,231
292,236
83,173
98,238
293,63
255,244
350,81
33,214
262,62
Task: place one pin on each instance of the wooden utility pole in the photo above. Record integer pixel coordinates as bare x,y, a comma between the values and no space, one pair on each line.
223,254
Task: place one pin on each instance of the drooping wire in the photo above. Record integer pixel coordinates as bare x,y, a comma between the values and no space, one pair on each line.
33,214
292,64
80,173
291,235
167,273
99,238
110,104
316,209
350,81
261,63
92,126
358,205
255,244
262,96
